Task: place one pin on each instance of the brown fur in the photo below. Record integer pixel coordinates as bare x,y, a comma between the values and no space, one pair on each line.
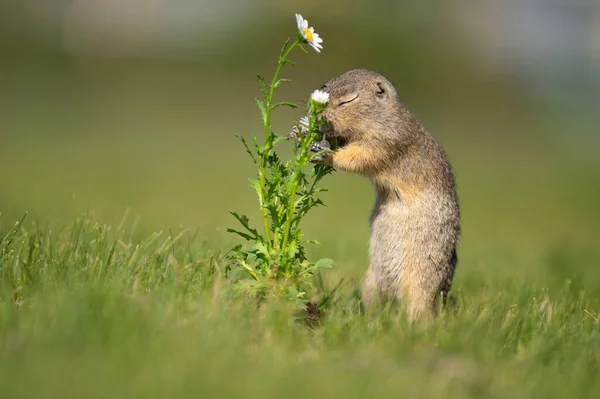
415,223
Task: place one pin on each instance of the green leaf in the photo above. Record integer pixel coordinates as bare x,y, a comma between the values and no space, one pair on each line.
283,48
321,263
243,140
243,219
263,85
243,235
279,138
293,249
280,81
260,149
237,250
251,258
263,110
274,212
254,182
263,250
283,104
248,269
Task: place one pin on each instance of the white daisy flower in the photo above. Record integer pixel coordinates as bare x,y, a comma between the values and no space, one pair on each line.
320,97
309,34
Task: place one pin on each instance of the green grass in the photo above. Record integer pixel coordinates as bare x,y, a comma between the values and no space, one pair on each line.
94,311
95,307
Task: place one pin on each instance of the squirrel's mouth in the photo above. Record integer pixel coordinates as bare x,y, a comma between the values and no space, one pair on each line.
337,141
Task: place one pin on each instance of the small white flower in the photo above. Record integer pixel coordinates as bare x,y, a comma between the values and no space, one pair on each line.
297,133
304,123
309,34
320,97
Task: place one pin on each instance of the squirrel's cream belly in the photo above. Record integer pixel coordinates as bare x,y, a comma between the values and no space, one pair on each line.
387,249
407,248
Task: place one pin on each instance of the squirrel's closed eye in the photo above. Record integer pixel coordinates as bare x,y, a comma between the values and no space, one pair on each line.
347,100
380,91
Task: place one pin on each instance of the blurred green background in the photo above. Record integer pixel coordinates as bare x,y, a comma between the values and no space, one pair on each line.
113,105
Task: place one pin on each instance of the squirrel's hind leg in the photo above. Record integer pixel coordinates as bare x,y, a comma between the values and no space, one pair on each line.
370,291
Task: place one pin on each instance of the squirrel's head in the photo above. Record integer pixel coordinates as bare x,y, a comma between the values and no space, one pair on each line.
360,102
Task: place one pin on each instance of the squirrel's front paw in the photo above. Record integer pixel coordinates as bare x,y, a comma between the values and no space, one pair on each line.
326,159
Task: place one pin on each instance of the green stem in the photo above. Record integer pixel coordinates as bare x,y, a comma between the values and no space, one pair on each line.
302,159
291,207
269,144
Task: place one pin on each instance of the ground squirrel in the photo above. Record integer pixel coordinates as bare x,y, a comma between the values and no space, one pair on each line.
415,223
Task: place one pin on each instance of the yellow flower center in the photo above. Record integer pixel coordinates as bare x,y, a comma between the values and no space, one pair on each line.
308,34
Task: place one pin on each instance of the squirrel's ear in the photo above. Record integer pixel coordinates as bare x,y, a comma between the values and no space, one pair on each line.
381,90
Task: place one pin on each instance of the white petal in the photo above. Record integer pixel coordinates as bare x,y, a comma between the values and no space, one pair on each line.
303,123
305,24
299,20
